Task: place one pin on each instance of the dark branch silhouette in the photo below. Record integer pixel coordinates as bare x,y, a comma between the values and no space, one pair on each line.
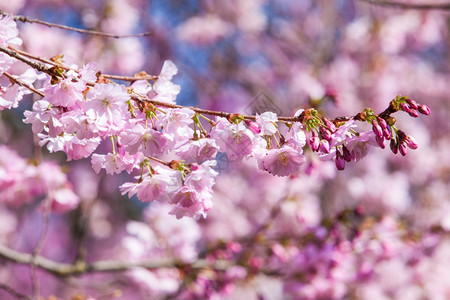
428,6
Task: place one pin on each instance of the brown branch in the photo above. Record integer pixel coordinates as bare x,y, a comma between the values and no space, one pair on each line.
13,292
130,78
65,269
35,65
25,19
17,81
41,59
440,6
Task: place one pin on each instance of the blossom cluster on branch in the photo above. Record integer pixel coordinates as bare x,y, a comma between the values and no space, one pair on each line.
237,165
80,109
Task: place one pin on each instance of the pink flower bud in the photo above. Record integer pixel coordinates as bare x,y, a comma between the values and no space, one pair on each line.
412,103
314,143
382,123
325,133
348,157
411,142
253,127
424,110
340,162
413,113
387,133
402,149
404,107
394,146
401,134
324,146
380,141
377,129
329,124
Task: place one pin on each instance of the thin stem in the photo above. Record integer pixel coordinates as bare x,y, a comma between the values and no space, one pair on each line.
440,6
130,78
166,163
13,292
41,59
35,65
25,19
17,81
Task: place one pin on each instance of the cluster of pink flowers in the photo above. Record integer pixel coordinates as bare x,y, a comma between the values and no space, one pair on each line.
79,110
22,182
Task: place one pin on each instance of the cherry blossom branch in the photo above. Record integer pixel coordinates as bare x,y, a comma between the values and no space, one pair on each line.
19,82
138,76
22,56
441,6
25,19
41,59
35,65
13,292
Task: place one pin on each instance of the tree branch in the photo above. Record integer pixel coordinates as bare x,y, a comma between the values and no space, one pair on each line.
25,19
13,292
35,65
17,81
65,269
440,6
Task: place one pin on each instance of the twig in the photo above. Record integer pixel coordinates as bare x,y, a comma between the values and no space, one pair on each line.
35,65
130,78
19,82
441,6
83,31
41,59
14,292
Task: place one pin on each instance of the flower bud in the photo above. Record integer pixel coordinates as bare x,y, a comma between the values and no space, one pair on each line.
424,110
394,146
380,141
382,123
413,113
325,133
329,124
387,133
404,107
348,157
314,143
340,162
401,134
324,146
253,126
411,142
377,129
402,149
412,103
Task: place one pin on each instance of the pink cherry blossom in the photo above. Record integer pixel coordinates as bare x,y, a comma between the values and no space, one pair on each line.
107,105
146,140
198,150
282,161
267,123
66,93
234,139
